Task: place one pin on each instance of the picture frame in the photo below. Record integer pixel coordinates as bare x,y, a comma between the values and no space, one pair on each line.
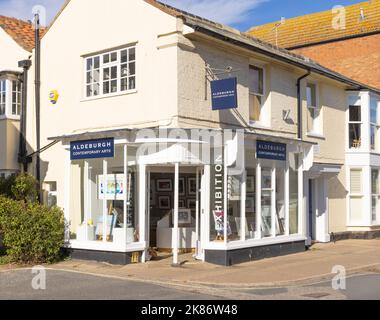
192,186
164,202
164,185
182,187
152,200
184,216
182,204
250,204
251,184
191,204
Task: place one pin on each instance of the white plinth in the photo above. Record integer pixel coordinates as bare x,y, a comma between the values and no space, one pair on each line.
119,235
166,238
81,233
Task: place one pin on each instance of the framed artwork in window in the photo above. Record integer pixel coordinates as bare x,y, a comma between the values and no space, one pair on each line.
192,186
164,185
250,184
182,187
164,202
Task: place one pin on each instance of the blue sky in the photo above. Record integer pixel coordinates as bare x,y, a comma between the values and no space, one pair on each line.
241,14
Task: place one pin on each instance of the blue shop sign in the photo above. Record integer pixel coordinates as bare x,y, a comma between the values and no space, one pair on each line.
270,150
224,94
92,149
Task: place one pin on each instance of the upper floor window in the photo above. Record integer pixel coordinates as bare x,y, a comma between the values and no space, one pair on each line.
375,124
314,119
256,92
111,72
10,97
3,96
355,126
16,98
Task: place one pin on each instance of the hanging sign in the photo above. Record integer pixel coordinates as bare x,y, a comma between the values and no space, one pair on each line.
92,149
270,150
224,94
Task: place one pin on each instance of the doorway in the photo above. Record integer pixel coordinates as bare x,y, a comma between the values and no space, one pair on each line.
160,210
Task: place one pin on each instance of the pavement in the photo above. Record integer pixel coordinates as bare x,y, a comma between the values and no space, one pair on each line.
307,274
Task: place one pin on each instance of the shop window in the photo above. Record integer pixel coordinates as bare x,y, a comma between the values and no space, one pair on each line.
266,202
314,110
16,97
375,125
250,205
280,201
256,93
354,126
111,72
293,194
375,195
105,208
3,96
234,196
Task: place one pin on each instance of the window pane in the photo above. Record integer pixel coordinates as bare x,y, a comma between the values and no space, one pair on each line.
311,95
106,87
89,91
256,80
132,83
124,56
233,212
355,135
96,62
132,70
355,113
113,72
132,54
89,64
373,137
373,108
106,58
124,70
113,56
89,77
106,73
293,194
254,107
96,75
113,86
266,203
124,84
250,205
280,201
96,89
375,182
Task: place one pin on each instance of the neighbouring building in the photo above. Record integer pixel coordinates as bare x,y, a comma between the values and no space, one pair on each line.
16,40
347,41
170,131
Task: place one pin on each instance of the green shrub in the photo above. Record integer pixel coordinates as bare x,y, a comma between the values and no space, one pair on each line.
6,186
25,188
32,233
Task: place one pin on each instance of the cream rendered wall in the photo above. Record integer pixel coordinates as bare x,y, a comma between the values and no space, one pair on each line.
89,26
195,110
10,53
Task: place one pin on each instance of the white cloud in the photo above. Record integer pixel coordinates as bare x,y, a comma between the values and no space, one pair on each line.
223,11
23,9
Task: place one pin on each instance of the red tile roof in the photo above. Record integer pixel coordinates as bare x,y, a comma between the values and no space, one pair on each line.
361,19
21,31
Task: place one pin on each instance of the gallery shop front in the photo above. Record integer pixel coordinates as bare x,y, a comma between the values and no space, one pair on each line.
227,196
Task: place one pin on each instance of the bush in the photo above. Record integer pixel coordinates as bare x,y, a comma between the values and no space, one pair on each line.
23,187
32,233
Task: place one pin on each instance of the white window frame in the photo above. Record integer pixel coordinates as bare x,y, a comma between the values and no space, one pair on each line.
375,221
376,125
9,79
261,121
349,122
110,64
317,122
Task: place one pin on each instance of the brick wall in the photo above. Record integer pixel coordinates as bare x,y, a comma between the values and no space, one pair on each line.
357,58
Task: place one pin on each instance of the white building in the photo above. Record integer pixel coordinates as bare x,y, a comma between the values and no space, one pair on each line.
133,123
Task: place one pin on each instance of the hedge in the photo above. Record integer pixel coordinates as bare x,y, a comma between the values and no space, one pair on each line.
32,233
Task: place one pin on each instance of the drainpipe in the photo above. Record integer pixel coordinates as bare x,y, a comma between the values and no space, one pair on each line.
299,104
37,96
22,159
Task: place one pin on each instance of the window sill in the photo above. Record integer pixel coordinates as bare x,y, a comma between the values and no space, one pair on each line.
5,117
316,135
258,125
111,95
